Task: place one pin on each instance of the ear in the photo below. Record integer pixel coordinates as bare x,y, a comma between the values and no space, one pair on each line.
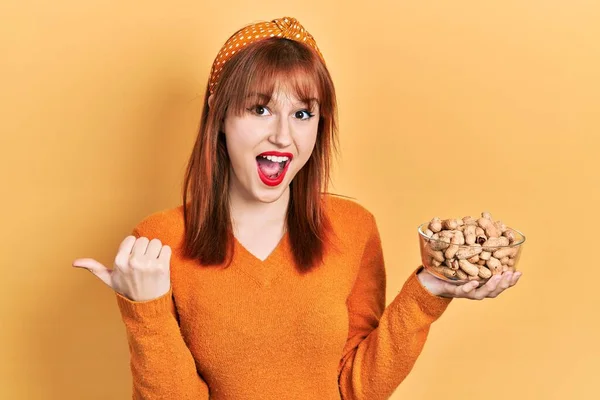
210,100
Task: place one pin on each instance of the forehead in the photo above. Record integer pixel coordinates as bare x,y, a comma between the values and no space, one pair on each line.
299,81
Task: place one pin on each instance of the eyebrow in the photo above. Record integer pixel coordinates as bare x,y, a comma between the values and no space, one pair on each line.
308,102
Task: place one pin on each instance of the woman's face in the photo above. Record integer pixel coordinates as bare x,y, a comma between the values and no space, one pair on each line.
269,143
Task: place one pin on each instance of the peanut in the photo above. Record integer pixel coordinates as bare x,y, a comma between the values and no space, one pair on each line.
435,225
447,272
468,252
469,248
452,264
460,237
500,226
451,250
450,224
468,220
447,233
489,227
510,234
494,265
470,239
451,234
469,268
460,274
438,243
470,230
505,252
484,272
436,255
469,234
493,242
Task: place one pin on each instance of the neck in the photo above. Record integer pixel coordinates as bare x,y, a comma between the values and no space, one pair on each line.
253,215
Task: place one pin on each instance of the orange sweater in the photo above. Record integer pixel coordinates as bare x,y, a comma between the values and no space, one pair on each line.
259,330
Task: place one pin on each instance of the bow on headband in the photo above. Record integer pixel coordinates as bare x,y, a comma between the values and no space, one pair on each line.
286,27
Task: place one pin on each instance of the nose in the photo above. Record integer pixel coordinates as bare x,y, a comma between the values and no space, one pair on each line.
282,133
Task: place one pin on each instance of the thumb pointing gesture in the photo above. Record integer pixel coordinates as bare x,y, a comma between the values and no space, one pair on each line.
95,268
140,272
98,269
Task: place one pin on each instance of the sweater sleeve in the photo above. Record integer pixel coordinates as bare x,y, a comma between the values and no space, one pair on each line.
161,364
383,343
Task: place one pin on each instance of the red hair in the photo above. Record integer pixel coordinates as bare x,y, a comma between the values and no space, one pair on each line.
258,69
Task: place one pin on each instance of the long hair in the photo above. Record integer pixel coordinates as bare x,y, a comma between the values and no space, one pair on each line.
257,69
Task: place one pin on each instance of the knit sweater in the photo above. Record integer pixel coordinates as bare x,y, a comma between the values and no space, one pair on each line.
261,330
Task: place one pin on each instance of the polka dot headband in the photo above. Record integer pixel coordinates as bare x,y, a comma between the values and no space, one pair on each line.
286,27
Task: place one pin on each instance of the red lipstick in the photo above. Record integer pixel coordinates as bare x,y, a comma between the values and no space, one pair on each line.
276,181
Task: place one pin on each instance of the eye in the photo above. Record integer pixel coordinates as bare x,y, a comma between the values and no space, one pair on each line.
259,110
304,115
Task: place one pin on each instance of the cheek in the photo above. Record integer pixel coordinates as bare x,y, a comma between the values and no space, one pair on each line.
238,155
239,140
307,141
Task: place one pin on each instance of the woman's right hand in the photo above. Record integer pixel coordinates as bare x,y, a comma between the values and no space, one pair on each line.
140,271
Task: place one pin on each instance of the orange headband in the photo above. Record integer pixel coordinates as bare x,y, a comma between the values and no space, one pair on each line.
286,27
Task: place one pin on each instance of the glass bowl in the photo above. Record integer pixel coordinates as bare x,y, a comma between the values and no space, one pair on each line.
462,263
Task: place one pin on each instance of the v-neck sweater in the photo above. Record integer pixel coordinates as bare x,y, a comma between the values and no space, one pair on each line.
261,330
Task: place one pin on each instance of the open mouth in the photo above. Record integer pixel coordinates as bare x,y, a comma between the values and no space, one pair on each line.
273,166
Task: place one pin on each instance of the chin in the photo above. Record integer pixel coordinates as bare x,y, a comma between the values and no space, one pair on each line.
257,188
270,194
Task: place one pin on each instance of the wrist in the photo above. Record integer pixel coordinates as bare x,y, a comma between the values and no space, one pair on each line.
429,282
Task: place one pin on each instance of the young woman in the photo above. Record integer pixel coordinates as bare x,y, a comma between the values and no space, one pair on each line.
260,285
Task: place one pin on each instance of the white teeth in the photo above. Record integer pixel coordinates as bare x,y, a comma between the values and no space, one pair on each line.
276,159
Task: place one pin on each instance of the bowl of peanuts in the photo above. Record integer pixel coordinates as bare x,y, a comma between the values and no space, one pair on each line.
466,249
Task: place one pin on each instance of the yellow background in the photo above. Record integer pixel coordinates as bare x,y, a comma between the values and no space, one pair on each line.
446,108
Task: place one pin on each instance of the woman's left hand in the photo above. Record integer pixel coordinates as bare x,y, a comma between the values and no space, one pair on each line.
470,290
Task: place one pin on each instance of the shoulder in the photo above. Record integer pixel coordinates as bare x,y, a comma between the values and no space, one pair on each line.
166,225
355,232
348,215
